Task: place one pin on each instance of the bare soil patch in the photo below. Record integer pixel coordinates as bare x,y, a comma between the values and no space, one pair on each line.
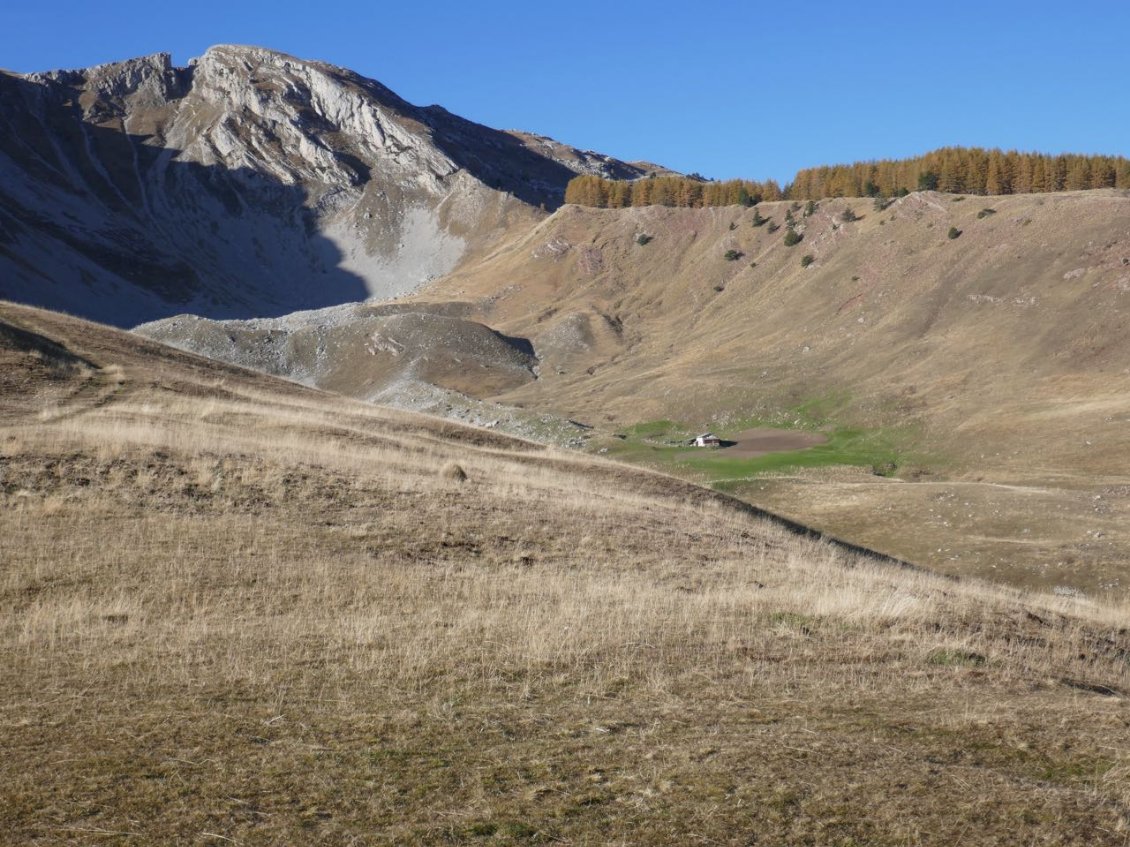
752,443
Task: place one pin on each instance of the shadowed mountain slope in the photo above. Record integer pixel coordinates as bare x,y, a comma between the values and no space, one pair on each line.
249,184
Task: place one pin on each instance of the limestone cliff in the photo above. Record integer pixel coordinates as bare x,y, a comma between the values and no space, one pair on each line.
248,184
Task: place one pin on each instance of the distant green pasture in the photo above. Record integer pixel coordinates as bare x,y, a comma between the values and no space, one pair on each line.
664,444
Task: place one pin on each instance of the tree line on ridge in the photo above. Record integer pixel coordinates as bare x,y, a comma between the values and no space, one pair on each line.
955,170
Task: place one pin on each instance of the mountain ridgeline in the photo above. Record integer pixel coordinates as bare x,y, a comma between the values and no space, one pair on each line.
954,170
250,184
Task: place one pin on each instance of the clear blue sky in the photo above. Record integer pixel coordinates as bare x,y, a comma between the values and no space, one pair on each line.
741,88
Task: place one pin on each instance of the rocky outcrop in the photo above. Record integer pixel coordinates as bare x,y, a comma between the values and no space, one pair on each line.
363,350
248,184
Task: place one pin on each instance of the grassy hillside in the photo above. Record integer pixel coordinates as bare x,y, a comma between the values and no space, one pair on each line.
979,342
234,610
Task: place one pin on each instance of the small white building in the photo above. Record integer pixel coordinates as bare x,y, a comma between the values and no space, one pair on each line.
707,439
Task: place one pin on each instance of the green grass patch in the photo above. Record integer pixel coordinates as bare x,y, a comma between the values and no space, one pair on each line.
664,444
856,447
820,410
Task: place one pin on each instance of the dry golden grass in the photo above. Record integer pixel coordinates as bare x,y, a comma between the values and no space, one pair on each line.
986,367
236,611
996,359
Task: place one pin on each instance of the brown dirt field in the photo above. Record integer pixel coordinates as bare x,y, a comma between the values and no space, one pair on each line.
752,443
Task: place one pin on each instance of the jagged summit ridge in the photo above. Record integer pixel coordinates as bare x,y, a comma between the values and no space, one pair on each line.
290,107
248,184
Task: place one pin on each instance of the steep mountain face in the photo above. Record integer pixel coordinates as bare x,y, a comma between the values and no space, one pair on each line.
249,184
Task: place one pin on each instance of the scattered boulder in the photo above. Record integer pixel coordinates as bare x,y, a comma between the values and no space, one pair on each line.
453,471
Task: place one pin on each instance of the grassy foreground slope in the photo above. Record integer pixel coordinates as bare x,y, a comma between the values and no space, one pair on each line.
982,338
234,610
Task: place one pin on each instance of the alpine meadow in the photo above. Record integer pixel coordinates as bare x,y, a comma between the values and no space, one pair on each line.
369,475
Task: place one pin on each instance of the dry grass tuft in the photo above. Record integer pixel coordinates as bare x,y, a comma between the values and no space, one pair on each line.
454,472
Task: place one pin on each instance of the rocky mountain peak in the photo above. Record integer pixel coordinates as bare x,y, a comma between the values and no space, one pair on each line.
249,184
152,79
